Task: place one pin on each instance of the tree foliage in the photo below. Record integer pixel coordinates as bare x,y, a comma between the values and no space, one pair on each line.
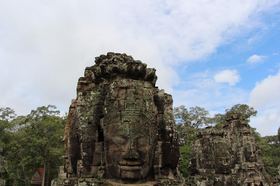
278,134
242,111
270,151
6,115
194,116
188,121
33,141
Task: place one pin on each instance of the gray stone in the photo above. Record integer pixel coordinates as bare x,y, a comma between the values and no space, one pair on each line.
120,128
228,156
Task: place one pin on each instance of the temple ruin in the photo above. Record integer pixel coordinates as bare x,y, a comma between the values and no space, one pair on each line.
228,155
120,129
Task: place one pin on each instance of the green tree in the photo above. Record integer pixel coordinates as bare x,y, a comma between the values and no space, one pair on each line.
188,122
241,111
194,116
278,135
244,111
269,151
6,115
36,142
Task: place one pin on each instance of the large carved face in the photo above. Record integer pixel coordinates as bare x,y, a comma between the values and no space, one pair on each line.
249,150
223,156
130,132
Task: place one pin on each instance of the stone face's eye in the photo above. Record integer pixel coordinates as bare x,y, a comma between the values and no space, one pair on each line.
143,140
119,140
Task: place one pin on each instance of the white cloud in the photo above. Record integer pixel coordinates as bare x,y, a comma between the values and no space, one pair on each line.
255,58
202,90
265,98
228,76
266,92
267,121
45,45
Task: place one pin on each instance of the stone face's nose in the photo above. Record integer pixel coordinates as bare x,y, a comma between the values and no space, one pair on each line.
132,153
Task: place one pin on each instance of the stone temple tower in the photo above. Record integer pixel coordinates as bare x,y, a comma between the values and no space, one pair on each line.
228,155
120,129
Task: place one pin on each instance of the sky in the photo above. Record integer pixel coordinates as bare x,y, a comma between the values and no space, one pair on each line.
208,53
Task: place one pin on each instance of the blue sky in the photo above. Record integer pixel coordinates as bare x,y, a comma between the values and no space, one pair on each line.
212,54
254,56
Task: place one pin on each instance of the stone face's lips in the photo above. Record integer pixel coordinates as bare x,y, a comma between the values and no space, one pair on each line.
130,168
130,163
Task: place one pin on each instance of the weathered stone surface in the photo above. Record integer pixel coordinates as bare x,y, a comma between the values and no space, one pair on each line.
120,128
227,156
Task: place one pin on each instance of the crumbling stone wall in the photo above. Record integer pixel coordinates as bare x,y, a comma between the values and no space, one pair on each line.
120,128
228,156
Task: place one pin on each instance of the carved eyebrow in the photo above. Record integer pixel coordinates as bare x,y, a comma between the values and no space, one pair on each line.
118,140
121,136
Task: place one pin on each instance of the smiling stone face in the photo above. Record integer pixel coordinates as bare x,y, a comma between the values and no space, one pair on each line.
130,130
121,128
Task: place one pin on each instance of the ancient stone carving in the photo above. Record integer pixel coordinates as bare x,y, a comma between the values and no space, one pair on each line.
120,128
227,156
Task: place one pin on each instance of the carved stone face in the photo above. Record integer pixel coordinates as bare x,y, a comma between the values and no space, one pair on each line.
130,135
129,154
223,159
250,152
